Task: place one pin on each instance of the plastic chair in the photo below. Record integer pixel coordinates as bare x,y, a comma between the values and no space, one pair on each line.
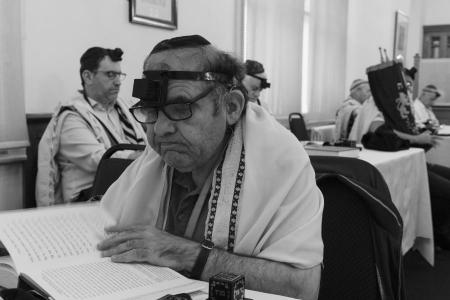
361,230
109,169
298,126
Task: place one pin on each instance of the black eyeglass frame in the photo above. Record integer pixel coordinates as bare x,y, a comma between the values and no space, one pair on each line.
109,74
163,108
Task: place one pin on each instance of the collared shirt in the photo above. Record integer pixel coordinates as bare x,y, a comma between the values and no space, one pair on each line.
184,196
109,115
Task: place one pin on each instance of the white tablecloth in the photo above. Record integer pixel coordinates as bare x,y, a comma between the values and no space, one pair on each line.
322,133
405,173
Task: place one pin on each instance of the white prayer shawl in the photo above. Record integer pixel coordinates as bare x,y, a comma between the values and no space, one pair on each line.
48,178
279,214
368,113
343,115
422,114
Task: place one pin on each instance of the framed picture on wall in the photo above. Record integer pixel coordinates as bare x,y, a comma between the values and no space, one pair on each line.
157,13
400,35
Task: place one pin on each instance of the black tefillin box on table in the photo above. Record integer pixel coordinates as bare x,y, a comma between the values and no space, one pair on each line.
227,286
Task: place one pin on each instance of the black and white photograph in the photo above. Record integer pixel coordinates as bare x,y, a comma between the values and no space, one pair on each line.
224,149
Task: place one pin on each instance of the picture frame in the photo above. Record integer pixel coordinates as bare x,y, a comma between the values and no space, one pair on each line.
400,35
156,13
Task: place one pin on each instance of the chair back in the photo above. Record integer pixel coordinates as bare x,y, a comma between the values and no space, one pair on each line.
110,169
361,231
298,126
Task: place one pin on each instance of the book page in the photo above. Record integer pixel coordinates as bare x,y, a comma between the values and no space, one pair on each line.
8,274
103,279
30,235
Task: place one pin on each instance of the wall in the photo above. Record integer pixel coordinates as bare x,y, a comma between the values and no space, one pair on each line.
371,25
57,32
436,12
437,71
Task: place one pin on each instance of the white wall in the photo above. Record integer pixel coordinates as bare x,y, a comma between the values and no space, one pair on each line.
57,32
436,71
371,25
436,12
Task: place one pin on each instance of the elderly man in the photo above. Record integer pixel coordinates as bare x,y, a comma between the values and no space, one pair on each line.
83,129
347,112
223,188
423,113
255,81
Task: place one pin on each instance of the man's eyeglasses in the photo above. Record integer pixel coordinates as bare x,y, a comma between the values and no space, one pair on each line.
112,75
175,111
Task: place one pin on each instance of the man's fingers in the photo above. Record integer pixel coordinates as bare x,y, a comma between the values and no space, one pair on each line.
123,247
118,238
133,255
120,228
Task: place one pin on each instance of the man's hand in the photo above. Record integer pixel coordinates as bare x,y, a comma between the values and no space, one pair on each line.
150,245
426,138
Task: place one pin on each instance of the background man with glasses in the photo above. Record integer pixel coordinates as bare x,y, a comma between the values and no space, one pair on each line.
223,186
83,129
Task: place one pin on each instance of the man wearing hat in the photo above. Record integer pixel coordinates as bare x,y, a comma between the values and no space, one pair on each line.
423,113
255,81
346,114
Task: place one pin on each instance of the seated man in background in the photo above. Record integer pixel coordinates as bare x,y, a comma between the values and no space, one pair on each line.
223,187
423,114
82,129
255,80
347,112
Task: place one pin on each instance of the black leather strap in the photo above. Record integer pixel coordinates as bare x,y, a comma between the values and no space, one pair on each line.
200,262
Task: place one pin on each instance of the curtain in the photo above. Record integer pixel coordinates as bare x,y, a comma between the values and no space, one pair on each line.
273,36
13,131
327,59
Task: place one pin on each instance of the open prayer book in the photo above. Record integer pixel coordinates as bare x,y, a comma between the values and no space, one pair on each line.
54,248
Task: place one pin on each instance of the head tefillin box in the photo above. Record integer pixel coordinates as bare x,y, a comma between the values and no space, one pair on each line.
226,286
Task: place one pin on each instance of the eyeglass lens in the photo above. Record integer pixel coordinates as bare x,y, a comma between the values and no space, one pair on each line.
175,112
113,75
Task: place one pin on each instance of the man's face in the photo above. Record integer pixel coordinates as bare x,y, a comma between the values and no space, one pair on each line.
102,88
187,145
428,98
409,83
364,92
253,87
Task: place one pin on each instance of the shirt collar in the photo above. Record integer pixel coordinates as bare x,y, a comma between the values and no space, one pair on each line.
96,105
185,181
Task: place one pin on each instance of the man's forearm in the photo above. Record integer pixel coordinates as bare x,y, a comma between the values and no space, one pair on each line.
405,136
265,275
